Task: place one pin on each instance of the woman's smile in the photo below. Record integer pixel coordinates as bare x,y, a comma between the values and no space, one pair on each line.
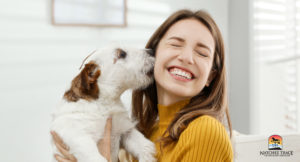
180,73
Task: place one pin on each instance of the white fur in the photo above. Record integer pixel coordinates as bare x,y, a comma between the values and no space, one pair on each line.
81,124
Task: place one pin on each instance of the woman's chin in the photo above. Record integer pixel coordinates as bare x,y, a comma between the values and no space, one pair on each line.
181,93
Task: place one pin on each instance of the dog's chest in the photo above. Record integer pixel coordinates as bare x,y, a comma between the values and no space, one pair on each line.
121,123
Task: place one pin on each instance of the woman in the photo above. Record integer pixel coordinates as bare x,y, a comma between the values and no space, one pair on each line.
182,111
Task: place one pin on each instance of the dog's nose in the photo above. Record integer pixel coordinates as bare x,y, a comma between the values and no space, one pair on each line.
150,51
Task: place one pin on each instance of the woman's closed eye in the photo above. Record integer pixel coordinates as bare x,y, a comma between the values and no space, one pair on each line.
176,45
201,53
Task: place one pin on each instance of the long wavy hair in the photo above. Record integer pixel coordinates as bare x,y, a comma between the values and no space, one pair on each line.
212,100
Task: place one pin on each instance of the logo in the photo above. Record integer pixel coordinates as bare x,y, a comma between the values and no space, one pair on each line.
275,148
275,142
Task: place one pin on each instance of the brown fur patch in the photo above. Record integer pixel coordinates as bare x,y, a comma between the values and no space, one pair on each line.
84,85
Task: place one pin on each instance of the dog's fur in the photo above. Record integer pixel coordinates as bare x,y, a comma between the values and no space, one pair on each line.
94,95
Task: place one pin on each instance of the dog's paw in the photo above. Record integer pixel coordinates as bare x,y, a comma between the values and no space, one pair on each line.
149,152
148,158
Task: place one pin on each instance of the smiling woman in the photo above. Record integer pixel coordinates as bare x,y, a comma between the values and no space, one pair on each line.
183,111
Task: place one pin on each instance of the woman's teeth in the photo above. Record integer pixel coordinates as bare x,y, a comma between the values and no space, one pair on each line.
181,73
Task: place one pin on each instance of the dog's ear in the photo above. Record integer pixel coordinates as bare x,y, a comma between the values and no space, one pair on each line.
84,85
89,76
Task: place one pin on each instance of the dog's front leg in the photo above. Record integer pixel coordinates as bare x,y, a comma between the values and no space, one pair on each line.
142,148
115,147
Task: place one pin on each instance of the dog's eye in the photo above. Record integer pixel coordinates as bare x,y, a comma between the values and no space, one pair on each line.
121,54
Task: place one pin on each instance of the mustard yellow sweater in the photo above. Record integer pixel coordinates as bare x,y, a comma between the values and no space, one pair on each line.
204,140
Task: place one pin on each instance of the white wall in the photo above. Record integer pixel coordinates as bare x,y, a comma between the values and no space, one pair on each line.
38,61
240,66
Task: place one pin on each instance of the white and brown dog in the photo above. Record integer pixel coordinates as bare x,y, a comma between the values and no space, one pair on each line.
94,95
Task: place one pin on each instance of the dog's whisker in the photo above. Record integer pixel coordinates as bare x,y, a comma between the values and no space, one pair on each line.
86,58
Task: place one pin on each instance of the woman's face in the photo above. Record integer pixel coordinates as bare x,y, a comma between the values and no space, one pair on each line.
184,59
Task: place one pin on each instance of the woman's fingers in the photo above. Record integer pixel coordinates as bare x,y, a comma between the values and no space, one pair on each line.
58,140
108,127
61,159
104,144
63,149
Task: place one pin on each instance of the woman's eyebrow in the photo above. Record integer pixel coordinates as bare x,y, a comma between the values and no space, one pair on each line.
178,38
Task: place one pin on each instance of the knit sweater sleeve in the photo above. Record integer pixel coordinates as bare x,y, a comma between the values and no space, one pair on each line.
204,140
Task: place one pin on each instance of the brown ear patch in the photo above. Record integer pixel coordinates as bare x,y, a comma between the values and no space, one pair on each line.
84,85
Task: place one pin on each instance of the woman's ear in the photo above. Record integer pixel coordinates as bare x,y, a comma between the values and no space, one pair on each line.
211,77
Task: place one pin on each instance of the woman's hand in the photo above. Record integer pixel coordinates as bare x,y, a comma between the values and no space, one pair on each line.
63,149
103,145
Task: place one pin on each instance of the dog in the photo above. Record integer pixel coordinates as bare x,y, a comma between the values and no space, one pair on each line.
94,95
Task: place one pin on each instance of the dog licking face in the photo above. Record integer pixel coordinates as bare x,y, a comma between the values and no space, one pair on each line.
94,95
128,70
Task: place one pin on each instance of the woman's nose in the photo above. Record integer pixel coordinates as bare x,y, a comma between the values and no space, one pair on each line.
186,56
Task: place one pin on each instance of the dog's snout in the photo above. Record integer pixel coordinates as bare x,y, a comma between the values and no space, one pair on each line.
149,51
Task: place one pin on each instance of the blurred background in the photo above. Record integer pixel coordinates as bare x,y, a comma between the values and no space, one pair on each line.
40,58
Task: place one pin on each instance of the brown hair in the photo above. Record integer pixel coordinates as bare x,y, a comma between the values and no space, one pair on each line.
212,100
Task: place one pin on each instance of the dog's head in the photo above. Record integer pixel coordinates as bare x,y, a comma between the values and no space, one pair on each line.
111,71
